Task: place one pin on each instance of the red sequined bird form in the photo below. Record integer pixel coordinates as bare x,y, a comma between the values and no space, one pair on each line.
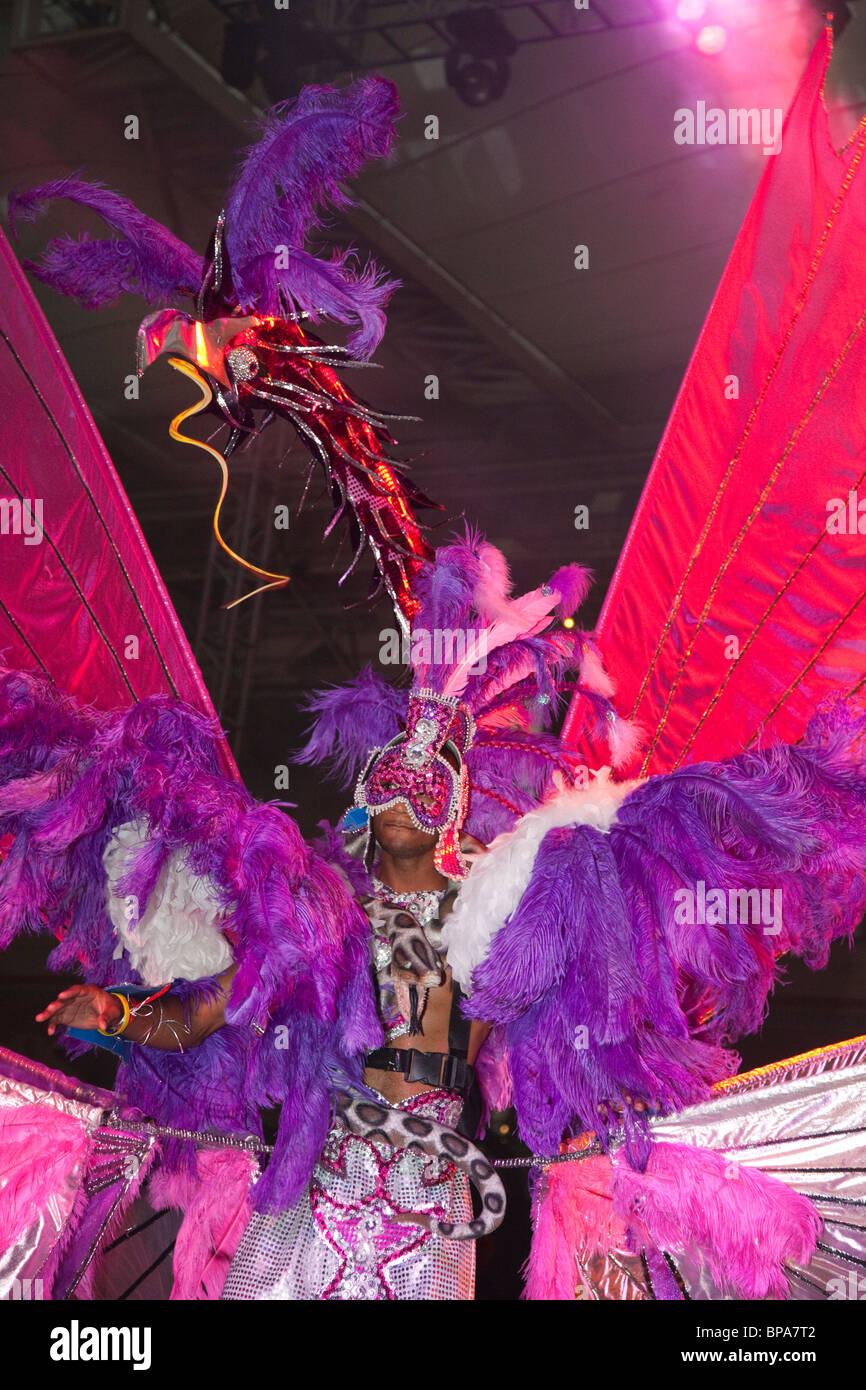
246,340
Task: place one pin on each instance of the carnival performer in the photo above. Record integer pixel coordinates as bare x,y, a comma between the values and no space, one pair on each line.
616,938
423,1071
353,1233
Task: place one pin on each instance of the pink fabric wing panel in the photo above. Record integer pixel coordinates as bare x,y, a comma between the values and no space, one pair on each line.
74,591
736,607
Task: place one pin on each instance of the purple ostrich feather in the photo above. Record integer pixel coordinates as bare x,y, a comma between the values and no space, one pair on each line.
305,147
350,720
608,984
301,940
145,259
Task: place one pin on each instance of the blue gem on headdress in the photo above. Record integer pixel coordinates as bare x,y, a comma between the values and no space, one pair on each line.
547,590
356,818
544,699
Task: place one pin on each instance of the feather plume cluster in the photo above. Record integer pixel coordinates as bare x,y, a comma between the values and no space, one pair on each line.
144,258
301,940
505,657
602,958
349,720
215,1201
744,1225
44,1157
305,148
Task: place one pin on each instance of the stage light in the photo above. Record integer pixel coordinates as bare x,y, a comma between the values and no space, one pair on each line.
711,39
690,10
568,622
477,81
477,66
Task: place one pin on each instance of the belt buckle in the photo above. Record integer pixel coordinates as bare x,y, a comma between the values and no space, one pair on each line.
449,1067
408,1059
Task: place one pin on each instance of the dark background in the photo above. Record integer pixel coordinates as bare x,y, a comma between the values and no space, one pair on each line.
554,384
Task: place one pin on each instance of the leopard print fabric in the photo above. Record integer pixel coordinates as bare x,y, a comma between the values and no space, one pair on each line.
410,963
381,1124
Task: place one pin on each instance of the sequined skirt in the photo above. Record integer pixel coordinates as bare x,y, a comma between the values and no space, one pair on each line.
341,1239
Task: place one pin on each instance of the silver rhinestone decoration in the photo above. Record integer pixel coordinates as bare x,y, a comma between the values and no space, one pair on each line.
244,363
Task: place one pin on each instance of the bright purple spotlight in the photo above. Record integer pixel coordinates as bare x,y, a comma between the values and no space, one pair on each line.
711,39
690,10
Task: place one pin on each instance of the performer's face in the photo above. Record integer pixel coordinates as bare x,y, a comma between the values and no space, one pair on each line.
394,832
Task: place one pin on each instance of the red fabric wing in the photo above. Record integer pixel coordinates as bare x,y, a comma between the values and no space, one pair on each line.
734,609
73,593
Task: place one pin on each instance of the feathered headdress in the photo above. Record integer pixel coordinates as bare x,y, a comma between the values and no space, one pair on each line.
467,746
244,344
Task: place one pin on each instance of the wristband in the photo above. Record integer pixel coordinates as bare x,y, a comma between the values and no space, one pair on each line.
127,1013
149,1000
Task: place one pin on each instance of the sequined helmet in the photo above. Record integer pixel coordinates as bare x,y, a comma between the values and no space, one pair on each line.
414,769
467,748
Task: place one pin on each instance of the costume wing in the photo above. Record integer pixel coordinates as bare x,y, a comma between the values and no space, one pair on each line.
758,1192
81,600
124,828
738,601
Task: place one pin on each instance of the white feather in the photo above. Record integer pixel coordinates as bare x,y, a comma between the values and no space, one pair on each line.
499,878
178,934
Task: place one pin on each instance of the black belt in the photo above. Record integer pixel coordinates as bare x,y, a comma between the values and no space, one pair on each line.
434,1068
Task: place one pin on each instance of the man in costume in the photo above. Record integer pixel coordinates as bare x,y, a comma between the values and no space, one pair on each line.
566,937
425,1069
353,1231
607,1005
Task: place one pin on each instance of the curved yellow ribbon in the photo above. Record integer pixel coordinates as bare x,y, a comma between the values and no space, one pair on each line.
277,581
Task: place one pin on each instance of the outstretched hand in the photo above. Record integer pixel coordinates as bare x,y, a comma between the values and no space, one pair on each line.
617,1106
82,1006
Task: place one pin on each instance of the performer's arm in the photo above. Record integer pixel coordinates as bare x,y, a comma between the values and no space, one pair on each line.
168,1023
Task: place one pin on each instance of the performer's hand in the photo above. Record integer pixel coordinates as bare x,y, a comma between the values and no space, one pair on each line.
82,1006
617,1106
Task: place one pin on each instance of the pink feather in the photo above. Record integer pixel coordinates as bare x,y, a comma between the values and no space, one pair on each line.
594,676
744,1223
216,1207
492,594
574,1220
625,740
524,617
43,1152
491,1068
